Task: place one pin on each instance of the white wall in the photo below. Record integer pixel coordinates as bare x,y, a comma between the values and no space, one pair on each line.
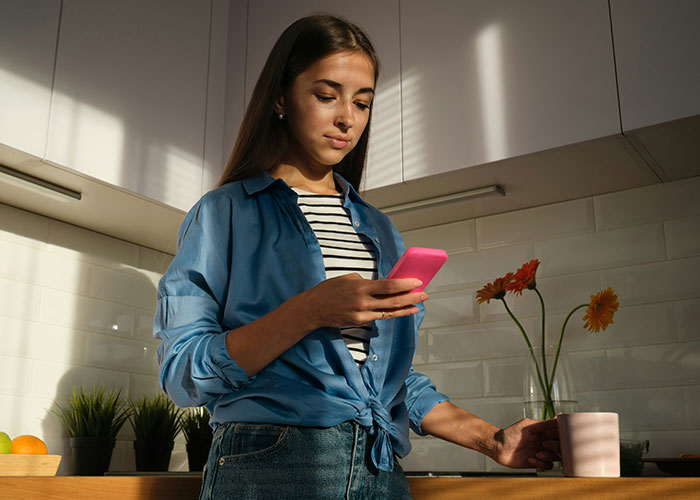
644,243
76,308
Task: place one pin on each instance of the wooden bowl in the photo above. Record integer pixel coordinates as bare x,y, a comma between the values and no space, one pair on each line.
14,464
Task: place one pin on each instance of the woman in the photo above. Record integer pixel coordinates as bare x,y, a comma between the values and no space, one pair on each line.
274,313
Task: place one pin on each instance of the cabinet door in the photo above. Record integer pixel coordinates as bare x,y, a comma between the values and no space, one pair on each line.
657,47
380,20
129,96
27,48
484,81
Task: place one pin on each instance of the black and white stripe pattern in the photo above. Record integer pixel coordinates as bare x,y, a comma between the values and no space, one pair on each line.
344,251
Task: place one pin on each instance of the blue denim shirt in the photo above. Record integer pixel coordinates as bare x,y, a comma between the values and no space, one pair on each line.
244,249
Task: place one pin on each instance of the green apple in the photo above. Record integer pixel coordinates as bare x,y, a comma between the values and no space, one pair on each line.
5,443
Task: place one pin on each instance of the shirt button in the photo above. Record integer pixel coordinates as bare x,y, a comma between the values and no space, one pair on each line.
376,239
357,223
374,357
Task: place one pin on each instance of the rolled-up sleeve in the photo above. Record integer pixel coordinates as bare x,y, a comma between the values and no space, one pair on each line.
421,397
195,366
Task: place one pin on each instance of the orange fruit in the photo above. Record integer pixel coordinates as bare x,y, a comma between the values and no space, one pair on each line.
29,445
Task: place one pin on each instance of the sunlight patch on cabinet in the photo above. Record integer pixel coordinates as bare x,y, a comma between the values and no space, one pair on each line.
86,138
414,147
489,54
384,151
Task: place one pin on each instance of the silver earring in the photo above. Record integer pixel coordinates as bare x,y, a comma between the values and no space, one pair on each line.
280,116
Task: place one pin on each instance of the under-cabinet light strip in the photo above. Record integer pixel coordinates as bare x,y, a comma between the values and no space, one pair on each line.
443,200
37,185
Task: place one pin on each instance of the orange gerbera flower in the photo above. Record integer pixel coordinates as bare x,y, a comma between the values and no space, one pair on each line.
601,310
524,278
495,290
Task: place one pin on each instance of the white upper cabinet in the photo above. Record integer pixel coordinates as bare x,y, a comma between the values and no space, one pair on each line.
130,94
485,81
267,19
27,48
657,49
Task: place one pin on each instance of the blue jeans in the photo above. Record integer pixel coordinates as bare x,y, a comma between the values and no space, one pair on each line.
269,462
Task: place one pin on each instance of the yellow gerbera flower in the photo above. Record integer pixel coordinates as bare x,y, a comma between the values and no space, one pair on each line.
601,310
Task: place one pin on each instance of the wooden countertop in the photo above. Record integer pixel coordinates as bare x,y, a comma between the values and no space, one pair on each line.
423,488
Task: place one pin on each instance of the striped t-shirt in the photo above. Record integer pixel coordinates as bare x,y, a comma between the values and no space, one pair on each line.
344,251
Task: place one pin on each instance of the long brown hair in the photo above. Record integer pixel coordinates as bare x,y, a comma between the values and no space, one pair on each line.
262,139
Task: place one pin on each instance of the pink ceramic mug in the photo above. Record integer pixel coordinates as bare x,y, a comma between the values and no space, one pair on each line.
590,444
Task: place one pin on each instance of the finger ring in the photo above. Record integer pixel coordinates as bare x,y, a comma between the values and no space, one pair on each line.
383,314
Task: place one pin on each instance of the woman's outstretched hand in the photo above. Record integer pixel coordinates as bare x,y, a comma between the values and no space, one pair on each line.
528,443
351,300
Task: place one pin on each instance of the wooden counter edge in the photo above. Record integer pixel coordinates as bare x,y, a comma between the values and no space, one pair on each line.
423,488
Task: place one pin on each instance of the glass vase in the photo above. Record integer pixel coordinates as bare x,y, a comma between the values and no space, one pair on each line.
538,403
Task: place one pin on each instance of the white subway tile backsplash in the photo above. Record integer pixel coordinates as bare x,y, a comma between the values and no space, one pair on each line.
144,325
22,227
692,405
478,341
601,250
590,370
648,204
683,237
548,221
421,356
452,237
437,455
121,354
500,411
118,463
54,380
478,268
672,280
633,325
19,300
639,409
133,287
451,307
504,377
644,366
50,326
688,317
74,311
154,261
26,415
142,385
33,340
33,266
79,243
15,376
457,380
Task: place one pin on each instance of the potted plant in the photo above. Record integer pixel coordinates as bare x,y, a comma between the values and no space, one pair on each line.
92,420
198,436
156,421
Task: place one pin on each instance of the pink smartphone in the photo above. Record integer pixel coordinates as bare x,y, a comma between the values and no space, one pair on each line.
418,262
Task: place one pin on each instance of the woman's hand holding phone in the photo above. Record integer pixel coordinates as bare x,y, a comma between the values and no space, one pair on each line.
351,300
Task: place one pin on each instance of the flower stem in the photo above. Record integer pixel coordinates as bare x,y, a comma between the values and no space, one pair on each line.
544,352
529,346
561,337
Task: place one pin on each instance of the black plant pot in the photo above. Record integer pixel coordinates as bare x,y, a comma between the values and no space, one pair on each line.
197,454
91,455
152,455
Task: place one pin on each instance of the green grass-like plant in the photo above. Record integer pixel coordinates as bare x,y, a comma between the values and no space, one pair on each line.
98,413
195,425
155,418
